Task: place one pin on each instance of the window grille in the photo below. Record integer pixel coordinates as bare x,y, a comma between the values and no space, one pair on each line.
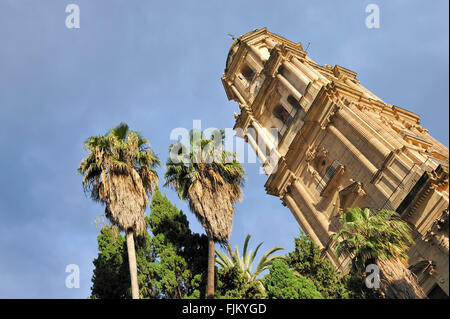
331,170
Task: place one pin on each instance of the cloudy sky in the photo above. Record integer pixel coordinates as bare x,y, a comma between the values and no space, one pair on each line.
157,65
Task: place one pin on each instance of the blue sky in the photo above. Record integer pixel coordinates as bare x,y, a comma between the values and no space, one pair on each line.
157,65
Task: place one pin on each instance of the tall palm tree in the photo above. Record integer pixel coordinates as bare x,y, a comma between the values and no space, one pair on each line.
119,172
245,262
210,179
381,238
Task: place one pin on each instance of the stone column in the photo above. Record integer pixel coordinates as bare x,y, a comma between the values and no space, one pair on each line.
262,134
390,137
273,155
305,69
255,147
253,62
240,86
257,53
300,75
270,42
239,96
370,135
303,199
306,227
289,86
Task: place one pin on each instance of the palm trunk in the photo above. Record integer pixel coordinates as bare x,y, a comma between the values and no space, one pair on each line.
398,282
211,262
133,266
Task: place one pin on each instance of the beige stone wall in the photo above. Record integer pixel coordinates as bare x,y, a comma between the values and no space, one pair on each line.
381,156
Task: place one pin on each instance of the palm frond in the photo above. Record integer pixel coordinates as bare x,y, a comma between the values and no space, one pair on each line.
245,262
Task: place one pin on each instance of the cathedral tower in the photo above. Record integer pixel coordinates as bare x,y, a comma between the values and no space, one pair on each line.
327,143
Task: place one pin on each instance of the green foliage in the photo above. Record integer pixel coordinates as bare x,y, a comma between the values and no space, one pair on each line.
119,172
282,283
143,258
111,278
119,151
357,288
185,164
245,262
232,284
369,236
210,179
181,254
306,260
171,264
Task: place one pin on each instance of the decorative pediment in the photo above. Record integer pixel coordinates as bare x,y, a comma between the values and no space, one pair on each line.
331,179
349,195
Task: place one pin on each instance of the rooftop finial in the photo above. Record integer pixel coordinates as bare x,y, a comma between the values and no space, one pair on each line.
307,47
232,36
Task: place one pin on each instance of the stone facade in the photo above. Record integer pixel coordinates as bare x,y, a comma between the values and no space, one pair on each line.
327,143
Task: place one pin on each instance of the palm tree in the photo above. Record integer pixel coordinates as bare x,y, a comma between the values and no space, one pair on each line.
119,172
210,179
245,262
381,238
